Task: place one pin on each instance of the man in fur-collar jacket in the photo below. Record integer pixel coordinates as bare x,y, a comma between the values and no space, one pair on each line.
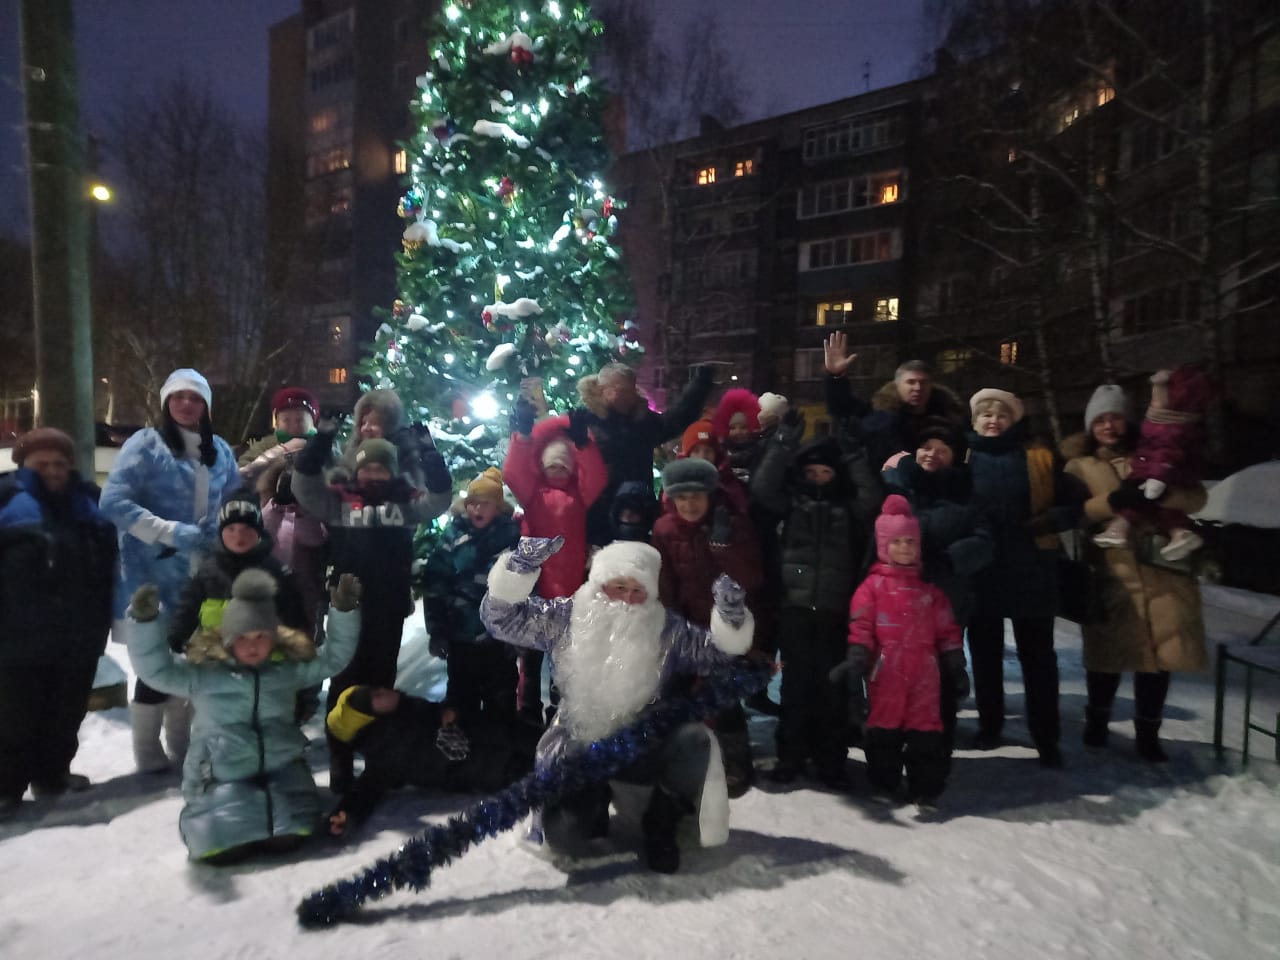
615,647
896,413
627,431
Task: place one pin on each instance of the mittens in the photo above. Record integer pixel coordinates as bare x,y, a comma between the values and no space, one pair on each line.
145,605
345,594
522,416
577,431
721,526
952,664
730,600
850,673
532,552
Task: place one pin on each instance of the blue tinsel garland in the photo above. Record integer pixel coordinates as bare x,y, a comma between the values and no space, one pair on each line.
437,846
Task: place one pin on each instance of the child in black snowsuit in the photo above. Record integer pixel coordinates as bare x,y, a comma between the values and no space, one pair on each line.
828,498
482,671
633,512
371,520
408,741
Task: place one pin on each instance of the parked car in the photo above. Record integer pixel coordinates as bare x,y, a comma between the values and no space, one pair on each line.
1241,529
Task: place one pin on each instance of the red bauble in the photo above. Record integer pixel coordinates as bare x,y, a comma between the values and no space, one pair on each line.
487,319
606,208
520,56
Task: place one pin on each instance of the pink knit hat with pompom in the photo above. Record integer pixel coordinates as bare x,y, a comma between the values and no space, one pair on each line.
895,520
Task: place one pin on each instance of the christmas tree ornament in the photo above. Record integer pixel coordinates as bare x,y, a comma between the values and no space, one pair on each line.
399,309
506,191
410,205
443,130
501,353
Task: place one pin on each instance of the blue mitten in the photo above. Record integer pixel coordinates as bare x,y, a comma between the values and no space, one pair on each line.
730,600
532,552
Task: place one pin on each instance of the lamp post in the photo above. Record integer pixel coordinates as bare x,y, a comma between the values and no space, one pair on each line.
59,254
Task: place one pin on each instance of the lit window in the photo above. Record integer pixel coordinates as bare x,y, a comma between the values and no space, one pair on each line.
1013,154
1106,95
949,361
337,374
335,334
402,161
1071,115
743,168
886,309
889,193
706,176
1009,352
829,314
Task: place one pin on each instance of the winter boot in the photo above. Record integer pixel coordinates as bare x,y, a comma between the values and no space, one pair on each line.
1147,739
146,720
1114,534
1095,725
661,817
1181,545
177,729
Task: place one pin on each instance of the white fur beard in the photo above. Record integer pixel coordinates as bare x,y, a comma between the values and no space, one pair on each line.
609,664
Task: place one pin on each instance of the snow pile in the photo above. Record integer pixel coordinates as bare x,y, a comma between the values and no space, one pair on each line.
1105,859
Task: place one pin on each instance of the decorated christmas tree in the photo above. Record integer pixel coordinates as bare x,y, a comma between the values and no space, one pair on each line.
510,278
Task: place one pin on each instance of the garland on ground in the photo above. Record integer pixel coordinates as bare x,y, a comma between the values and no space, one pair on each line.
437,846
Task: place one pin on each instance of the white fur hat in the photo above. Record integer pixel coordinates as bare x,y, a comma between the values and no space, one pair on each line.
187,379
773,405
1108,398
1010,401
558,452
626,558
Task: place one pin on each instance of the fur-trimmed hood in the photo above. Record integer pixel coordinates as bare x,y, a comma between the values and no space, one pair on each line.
388,405
735,401
1082,444
592,395
206,646
943,402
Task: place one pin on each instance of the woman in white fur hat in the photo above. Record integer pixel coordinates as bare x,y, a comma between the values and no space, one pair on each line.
163,494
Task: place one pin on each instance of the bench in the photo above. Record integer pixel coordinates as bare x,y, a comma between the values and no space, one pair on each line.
1257,657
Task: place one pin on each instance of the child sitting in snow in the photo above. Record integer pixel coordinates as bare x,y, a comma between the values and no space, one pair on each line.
246,782
904,641
482,671
1170,454
408,741
555,470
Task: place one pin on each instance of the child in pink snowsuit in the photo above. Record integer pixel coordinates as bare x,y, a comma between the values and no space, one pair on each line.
905,642
1170,454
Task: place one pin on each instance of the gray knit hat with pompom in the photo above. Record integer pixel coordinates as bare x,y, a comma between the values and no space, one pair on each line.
252,607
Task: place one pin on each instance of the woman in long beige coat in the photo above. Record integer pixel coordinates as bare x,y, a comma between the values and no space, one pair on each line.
1153,623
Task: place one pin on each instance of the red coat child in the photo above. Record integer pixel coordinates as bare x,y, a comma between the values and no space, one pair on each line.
556,482
899,629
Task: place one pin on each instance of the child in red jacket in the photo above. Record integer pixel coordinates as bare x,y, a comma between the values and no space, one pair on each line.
699,539
556,473
904,640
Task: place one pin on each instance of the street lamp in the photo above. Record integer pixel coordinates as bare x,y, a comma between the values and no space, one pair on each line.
100,192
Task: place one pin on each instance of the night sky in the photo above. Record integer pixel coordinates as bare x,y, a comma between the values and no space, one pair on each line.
127,46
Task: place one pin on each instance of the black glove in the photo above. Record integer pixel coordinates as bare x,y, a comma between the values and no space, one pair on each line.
284,489
435,472
1039,525
438,645
952,664
578,432
721,526
704,377
317,452
522,417
850,673
1128,497
791,429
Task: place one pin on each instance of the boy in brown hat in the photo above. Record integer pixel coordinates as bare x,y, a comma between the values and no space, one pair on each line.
482,671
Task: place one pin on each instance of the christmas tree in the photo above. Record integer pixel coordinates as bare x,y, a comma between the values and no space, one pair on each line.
510,279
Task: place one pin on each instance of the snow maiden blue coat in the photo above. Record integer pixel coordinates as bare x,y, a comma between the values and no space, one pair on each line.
154,497
246,777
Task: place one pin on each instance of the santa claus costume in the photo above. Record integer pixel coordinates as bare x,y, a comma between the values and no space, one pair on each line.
612,658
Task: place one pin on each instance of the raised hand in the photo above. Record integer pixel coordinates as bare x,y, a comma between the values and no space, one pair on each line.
532,552
791,429
835,354
522,416
345,594
145,605
730,600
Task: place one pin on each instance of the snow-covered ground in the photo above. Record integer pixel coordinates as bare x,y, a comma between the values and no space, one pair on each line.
1107,858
